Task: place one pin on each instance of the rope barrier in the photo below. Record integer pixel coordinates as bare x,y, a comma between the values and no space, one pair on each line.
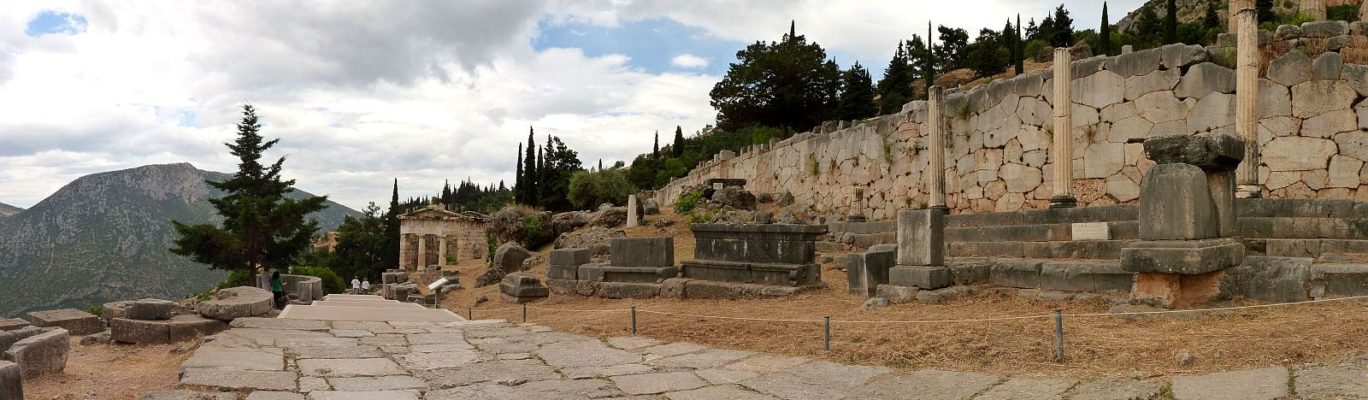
1232,308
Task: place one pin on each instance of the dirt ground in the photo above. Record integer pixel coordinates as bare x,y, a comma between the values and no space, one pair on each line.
104,371
912,336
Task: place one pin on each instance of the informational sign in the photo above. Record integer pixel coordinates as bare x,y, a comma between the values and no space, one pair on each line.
1091,231
436,284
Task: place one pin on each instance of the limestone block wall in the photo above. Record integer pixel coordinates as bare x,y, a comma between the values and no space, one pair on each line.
1313,133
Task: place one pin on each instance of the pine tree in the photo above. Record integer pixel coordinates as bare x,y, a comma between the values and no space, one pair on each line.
1171,23
1060,28
1019,62
655,149
678,147
1104,43
446,192
530,171
1212,20
263,227
857,94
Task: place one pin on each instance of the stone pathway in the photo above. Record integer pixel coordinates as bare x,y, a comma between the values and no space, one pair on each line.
339,359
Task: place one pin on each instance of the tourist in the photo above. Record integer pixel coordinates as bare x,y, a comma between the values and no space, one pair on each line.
365,286
277,289
356,285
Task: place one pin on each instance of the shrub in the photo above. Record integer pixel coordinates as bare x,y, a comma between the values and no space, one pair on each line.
687,201
1343,12
762,134
1033,48
531,227
589,189
236,278
331,282
95,309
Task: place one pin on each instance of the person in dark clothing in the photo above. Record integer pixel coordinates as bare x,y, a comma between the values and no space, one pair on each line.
277,289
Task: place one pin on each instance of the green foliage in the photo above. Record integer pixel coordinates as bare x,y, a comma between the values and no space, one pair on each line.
789,83
235,279
762,134
589,189
687,201
490,246
1298,19
701,216
892,103
963,109
1343,12
95,309
1056,29
857,95
361,246
332,283
952,49
813,168
531,228
1104,42
990,54
262,227
1034,47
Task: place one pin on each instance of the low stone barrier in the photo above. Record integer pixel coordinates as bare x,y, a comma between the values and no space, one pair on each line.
304,287
767,254
75,321
12,324
40,354
175,329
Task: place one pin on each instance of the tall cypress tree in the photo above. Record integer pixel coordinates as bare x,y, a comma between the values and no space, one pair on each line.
678,146
1171,23
1104,33
530,172
517,176
1019,61
392,228
541,179
655,148
263,228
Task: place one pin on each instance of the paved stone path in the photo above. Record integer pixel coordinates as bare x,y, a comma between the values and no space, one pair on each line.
317,359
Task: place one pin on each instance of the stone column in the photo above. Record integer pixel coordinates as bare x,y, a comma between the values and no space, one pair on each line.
1063,131
441,250
935,145
403,251
1314,8
1363,11
1247,96
422,252
632,219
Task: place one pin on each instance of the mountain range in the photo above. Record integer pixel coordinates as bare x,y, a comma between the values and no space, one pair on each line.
105,236
8,210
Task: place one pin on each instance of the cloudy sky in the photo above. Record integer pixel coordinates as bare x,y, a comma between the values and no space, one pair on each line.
361,92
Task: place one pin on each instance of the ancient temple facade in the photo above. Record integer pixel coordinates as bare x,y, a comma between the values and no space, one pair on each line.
434,235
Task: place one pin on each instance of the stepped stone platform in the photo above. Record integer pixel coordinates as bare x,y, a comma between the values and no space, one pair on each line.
76,322
282,358
344,307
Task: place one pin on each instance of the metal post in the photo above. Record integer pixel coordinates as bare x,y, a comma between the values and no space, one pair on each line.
438,304
470,314
524,313
826,333
1059,336
633,320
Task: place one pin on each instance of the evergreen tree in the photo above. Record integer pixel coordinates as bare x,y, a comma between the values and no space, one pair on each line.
857,94
785,84
1211,20
528,195
262,228
446,192
1061,31
517,176
1104,43
1019,59
953,48
678,147
540,192
392,229
362,246
559,163
655,149
1263,10
1147,27
897,77
1171,22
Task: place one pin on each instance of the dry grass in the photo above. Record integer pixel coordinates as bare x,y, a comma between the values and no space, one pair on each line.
1106,346
112,372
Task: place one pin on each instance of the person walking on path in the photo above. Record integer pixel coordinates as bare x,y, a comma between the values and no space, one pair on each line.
277,289
356,285
365,286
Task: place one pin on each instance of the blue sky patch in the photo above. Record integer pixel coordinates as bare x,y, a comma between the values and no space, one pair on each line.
49,22
652,44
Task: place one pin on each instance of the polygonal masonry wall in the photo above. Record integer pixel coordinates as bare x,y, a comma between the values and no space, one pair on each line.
1313,135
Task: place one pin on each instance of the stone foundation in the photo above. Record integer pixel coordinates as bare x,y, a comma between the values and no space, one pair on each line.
766,254
1176,290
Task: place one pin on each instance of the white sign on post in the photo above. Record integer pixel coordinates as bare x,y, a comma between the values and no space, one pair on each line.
436,284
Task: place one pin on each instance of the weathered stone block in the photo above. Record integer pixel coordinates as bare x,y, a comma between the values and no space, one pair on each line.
150,309
563,272
773,243
590,272
920,276
865,271
1085,276
237,302
897,294
629,290
190,327
1206,151
1175,204
561,286
520,288
1324,29
921,237
613,273
570,257
9,338
74,321
674,288
1176,290
1015,273
1339,280
754,273
12,324
1182,256
970,272
126,330
41,354
642,252
114,309
1271,279
510,256
11,381
705,289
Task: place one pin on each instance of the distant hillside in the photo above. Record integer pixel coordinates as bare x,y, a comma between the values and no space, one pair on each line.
8,210
105,237
1194,10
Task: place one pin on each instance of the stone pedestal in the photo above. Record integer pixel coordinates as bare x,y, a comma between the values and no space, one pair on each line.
520,287
633,219
921,250
565,263
773,254
1187,215
865,271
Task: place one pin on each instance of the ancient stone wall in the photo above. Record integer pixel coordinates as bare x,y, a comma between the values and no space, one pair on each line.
1313,132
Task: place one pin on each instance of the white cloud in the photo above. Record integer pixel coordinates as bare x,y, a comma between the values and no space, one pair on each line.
689,61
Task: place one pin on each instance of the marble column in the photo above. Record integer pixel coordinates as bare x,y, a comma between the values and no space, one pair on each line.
422,252
935,145
441,250
1247,96
403,251
1314,8
1063,131
633,219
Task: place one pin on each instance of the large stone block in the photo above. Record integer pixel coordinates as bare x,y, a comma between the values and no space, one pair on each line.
133,331
642,252
1087,276
920,276
1297,153
521,288
509,257
1175,204
921,237
75,321
12,324
11,381
40,354
150,309
629,290
705,289
865,271
1339,280
570,257
1176,290
773,243
1290,69
1188,257
1271,279
1206,151
752,273
1206,78
237,302
114,309
1016,273
9,338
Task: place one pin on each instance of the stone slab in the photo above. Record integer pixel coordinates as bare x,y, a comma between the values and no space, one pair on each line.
490,371
817,380
237,358
921,277
660,382
585,353
41,354
150,309
642,252
1116,390
1090,231
229,379
1182,256
1340,381
390,382
921,237
76,322
367,314
927,384
1257,384
365,395
182,394
349,367
10,324
1028,388
730,392
237,302
273,395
